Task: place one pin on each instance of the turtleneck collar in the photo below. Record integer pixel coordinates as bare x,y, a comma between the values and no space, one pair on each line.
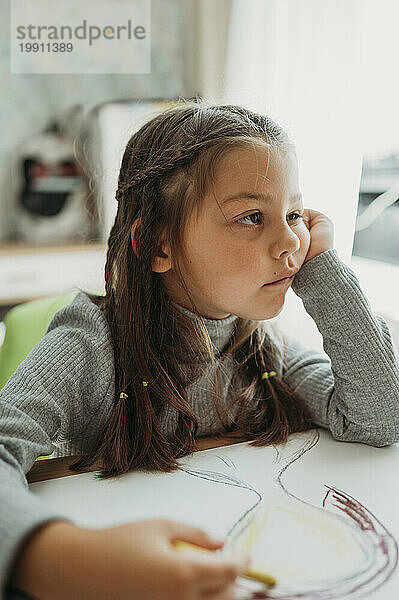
219,330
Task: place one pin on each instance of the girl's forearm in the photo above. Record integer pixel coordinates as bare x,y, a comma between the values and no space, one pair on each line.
45,566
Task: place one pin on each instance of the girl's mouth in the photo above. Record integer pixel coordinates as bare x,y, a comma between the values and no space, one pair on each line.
284,281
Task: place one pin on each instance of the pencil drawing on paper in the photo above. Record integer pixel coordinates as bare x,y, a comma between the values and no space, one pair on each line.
336,550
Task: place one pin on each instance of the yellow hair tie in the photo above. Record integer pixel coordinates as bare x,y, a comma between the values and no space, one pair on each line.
145,383
123,395
266,374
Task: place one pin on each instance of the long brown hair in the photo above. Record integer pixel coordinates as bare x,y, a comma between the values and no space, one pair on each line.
166,170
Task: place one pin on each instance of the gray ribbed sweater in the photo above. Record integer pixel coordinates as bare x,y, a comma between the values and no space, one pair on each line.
62,393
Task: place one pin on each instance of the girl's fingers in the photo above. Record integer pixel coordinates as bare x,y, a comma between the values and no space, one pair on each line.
192,535
219,573
214,574
221,593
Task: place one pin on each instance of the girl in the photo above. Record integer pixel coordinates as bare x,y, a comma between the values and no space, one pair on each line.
210,233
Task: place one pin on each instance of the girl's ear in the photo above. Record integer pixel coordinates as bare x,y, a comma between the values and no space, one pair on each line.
162,261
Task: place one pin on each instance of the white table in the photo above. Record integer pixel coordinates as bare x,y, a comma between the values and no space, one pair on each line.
269,500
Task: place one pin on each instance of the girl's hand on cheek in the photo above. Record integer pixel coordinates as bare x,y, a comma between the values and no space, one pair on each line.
321,230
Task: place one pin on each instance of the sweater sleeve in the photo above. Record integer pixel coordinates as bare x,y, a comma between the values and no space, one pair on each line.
353,390
54,392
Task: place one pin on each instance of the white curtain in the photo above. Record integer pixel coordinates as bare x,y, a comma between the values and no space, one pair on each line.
300,61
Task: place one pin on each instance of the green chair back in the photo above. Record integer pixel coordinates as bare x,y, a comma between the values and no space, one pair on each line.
25,325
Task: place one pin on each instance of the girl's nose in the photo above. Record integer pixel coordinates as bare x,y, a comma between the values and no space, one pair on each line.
285,241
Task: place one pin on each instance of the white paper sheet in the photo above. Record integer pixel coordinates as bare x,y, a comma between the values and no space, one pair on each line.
319,515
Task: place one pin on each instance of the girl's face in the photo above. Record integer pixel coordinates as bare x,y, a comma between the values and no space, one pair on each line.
237,245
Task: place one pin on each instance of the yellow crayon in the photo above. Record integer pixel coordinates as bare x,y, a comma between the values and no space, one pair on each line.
260,576
249,573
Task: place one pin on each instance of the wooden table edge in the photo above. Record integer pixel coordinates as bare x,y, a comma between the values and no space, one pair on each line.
53,468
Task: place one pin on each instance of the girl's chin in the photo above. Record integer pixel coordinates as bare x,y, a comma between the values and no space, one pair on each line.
270,312
276,309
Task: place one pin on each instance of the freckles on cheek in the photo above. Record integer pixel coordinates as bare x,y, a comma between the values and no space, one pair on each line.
228,268
239,258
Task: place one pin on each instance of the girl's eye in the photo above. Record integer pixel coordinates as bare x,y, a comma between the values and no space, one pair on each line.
298,217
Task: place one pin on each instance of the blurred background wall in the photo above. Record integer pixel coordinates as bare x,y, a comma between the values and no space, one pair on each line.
28,101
